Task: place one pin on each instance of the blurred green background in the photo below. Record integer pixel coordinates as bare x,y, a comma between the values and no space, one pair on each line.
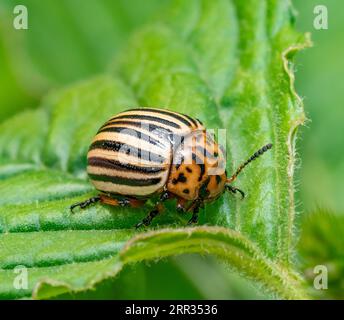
63,45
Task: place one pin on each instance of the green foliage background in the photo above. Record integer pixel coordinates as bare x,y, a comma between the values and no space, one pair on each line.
59,65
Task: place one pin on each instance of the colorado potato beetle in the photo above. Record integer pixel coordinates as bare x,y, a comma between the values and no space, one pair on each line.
143,152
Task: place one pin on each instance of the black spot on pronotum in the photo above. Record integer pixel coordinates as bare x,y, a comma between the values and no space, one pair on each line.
181,178
188,169
202,168
187,191
203,192
218,179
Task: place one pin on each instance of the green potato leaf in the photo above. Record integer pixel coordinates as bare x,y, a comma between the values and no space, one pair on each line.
228,63
64,42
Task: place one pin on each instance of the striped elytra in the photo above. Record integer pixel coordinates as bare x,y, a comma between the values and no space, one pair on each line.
132,152
143,152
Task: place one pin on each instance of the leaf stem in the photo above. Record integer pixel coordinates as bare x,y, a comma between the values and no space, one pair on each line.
228,245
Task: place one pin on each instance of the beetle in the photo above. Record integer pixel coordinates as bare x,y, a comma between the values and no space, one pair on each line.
144,152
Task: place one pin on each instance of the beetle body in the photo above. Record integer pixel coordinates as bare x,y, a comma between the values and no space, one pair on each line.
146,151
132,153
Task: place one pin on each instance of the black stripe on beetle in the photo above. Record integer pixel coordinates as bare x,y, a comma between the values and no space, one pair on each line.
169,113
127,149
150,126
124,181
151,118
191,119
117,165
133,133
162,133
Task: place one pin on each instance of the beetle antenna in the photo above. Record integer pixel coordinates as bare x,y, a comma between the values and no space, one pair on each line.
253,157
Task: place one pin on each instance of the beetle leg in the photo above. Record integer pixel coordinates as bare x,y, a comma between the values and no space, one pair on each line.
132,202
235,190
85,203
159,207
151,215
198,203
195,211
122,202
